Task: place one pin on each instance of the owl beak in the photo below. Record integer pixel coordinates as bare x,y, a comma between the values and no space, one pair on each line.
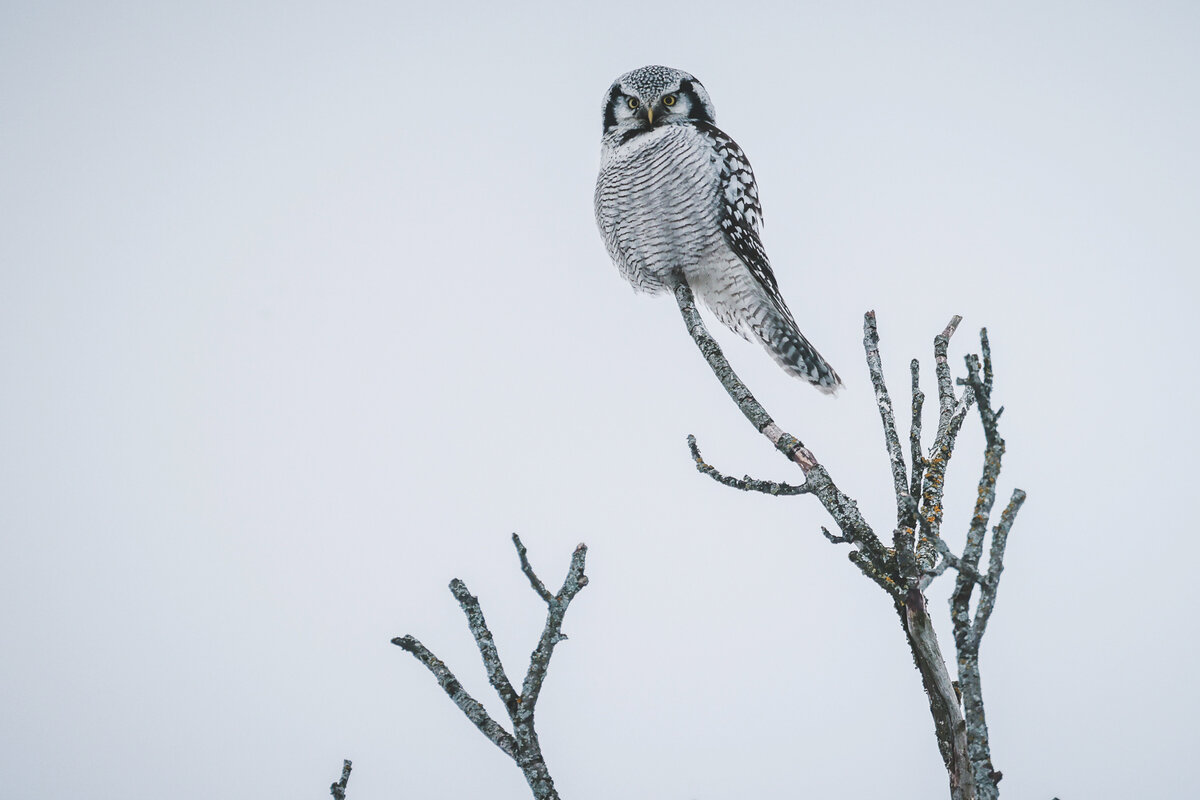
650,115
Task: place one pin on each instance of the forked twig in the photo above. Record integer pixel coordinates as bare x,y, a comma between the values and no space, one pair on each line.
521,744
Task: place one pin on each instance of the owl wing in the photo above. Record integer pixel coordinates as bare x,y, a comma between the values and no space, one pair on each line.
740,213
769,320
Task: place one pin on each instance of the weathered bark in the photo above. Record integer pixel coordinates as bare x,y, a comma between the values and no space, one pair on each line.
338,789
521,745
907,568
904,570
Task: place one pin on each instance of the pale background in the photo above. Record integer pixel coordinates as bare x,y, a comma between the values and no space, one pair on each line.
303,311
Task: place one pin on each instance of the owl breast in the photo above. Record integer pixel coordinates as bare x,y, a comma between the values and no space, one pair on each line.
656,205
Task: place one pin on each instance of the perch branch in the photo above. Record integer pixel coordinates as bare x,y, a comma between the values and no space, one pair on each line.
905,570
785,443
843,509
871,557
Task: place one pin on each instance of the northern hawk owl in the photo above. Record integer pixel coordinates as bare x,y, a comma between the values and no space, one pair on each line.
676,198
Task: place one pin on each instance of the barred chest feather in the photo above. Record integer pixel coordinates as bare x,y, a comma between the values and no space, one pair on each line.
657,204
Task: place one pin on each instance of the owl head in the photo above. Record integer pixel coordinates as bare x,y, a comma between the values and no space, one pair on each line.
652,96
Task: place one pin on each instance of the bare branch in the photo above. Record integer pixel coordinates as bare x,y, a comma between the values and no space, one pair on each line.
968,633
943,699
530,759
746,484
987,592
941,347
534,580
929,575
785,443
881,579
907,568
845,513
904,545
338,790
952,412
986,349
486,644
935,471
522,744
914,432
835,539
964,636
948,560
471,707
842,508
906,511
552,633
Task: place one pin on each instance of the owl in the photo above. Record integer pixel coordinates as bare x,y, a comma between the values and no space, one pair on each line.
676,199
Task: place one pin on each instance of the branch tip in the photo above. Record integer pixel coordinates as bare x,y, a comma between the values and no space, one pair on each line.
952,326
745,484
338,789
527,568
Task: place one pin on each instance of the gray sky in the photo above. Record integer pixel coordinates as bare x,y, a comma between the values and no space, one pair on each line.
303,311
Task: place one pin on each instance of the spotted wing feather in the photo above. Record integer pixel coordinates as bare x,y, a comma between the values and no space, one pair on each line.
740,215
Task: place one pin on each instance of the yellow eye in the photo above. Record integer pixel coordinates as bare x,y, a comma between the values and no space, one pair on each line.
669,100
633,103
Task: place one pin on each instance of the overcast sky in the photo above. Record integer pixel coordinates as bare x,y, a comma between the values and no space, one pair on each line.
303,311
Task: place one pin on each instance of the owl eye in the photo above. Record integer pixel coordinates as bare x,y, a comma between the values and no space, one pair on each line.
669,100
633,103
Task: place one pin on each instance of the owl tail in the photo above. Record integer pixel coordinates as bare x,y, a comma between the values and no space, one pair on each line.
748,309
778,333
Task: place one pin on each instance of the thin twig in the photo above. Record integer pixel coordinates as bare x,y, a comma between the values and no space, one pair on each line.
941,346
746,484
842,508
952,412
905,507
539,662
534,580
834,538
993,454
987,594
486,644
914,432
